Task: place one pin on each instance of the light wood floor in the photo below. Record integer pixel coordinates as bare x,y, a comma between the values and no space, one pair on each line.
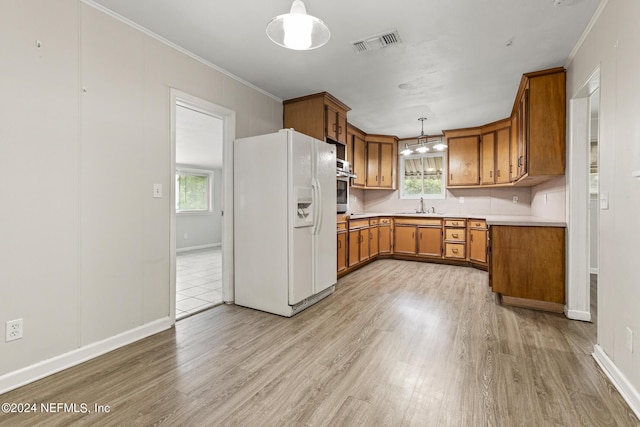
399,343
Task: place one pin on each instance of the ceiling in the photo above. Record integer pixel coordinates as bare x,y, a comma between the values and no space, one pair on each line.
459,61
198,139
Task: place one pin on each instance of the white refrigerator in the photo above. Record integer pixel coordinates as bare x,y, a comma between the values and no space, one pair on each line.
284,221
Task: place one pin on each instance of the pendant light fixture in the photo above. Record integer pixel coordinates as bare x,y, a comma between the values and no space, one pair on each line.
422,148
424,144
298,31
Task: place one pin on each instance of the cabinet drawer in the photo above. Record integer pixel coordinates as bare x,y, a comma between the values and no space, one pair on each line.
385,220
478,223
455,234
454,250
419,221
455,223
374,221
358,223
341,226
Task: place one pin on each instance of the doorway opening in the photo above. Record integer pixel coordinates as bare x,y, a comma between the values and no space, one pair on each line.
584,201
201,230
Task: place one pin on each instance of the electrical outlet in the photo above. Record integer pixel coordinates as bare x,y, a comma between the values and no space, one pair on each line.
13,330
629,339
515,200
461,199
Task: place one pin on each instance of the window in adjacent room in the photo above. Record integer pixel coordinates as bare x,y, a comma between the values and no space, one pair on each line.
193,191
422,175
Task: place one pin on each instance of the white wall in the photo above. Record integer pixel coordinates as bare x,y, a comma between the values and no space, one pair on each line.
549,199
613,44
84,247
202,229
495,201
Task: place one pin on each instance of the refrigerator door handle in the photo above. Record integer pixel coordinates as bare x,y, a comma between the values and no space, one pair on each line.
317,211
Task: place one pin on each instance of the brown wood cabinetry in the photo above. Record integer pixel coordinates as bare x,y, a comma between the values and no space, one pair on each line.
358,241
430,241
341,223
527,265
525,149
495,148
358,156
381,161
463,157
455,238
319,115
540,115
418,236
384,236
477,241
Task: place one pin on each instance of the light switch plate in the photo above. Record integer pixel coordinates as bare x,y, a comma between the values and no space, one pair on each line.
157,190
461,199
604,201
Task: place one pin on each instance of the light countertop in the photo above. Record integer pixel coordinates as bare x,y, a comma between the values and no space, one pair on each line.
514,220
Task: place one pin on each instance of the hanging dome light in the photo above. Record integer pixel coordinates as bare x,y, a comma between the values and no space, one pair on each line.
298,31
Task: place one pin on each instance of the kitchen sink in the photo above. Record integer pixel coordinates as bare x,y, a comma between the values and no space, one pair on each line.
416,213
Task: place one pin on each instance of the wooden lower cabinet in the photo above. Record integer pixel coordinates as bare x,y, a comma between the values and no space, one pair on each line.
373,241
342,251
478,245
358,246
405,239
430,241
527,265
384,236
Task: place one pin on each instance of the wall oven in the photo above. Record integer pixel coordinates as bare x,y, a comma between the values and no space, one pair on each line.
342,188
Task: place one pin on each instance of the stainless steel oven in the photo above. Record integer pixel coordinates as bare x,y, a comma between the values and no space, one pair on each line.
342,188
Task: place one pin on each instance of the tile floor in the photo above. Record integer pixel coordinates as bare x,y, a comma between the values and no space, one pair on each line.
198,280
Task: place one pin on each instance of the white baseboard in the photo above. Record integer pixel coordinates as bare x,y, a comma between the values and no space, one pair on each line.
620,382
32,373
585,316
593,270
193,248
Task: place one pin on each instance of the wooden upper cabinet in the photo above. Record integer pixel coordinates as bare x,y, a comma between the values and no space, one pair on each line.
503,143
495,149
381,161
319,115
359,161
463,157
488,158
540,113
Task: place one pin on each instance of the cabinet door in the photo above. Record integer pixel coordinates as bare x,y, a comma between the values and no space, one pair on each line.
513,148
359,161
342,128
430,241
463,160
354,247
373,241
528,262
523,135
488,158
384,239
364,244
342,251
405,239
478,245
386,165
502,156
373,164
331,123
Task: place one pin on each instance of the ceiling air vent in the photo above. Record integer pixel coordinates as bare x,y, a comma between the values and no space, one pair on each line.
377,42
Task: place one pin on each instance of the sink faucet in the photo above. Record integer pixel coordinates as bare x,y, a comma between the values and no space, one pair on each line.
421,206
433,209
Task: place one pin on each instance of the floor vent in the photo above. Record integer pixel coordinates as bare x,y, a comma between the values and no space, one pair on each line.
377,42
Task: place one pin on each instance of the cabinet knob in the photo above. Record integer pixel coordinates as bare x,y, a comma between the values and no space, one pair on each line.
455,235
454,250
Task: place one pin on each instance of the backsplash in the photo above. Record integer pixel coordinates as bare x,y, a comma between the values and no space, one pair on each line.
488,201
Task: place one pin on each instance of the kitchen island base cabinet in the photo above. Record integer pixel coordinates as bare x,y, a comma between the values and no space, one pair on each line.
527,265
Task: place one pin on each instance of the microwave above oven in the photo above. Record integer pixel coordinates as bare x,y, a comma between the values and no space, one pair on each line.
343,168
